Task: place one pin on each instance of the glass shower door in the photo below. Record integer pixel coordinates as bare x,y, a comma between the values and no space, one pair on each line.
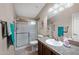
22,34
26,32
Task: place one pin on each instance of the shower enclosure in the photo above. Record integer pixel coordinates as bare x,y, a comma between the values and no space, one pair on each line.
25,32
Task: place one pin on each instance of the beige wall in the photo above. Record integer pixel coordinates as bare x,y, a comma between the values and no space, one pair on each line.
6,11
6,14
43,18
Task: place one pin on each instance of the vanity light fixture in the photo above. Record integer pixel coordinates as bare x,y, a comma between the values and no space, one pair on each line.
53,8
50,10
61,8
68,5
58,7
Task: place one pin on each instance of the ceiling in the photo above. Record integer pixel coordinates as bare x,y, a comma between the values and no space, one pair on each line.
28,9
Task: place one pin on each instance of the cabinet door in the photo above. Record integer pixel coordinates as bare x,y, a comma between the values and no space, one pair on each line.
45,50
39,48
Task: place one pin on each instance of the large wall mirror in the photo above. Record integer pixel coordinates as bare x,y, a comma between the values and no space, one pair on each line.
68,18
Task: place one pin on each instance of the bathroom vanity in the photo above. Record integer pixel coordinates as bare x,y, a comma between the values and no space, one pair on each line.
46,49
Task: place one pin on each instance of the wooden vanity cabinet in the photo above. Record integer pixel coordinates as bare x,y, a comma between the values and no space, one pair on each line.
39,48
44,50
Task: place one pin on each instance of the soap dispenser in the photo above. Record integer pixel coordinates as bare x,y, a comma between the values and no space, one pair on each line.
66,42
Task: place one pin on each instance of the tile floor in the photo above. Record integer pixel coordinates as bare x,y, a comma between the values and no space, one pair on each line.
26,51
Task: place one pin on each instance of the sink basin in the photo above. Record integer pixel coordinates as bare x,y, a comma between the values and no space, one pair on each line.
53,42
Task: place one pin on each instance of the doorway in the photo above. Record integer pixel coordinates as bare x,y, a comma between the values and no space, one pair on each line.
75,26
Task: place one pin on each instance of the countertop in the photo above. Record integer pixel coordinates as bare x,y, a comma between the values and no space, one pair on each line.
62,50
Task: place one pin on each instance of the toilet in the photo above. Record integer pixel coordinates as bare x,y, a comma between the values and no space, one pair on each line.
34,45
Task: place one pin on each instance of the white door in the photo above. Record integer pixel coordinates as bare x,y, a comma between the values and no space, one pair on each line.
75,26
